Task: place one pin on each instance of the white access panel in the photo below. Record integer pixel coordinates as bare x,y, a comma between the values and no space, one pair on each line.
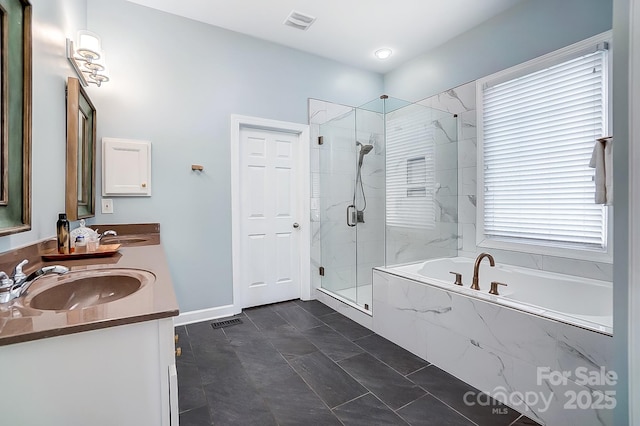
126,167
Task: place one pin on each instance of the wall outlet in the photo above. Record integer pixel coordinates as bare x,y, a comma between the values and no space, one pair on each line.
107,205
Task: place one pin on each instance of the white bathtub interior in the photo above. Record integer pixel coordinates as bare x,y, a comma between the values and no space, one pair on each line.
583,302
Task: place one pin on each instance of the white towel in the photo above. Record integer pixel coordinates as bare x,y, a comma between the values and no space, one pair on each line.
602,161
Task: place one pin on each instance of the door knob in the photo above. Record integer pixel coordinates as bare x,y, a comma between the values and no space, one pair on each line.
296,225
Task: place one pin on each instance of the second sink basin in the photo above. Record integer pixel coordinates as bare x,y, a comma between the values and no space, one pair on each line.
129,240
81,289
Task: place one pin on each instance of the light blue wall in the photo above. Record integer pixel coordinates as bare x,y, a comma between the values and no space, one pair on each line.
176,82
527,30
53,21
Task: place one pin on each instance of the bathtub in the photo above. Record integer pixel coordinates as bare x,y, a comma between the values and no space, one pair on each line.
541,321
583,302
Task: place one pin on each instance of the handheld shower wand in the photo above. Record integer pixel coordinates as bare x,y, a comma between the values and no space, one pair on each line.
352,210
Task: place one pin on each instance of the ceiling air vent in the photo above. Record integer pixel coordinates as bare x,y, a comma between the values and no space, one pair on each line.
299,20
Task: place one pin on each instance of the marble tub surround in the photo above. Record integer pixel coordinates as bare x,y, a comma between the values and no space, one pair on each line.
157,300
506,353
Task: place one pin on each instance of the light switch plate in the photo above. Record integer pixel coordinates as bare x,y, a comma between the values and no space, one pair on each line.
107,205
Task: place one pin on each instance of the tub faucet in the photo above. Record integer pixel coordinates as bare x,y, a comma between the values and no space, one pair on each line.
476,268
16,286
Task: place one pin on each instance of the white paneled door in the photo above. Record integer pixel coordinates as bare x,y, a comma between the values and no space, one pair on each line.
270,231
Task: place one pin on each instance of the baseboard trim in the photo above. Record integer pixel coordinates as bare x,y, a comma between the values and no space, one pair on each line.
205,314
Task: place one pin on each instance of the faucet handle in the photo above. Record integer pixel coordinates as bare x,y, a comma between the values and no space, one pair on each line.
458,277
18,275
494,287
5,281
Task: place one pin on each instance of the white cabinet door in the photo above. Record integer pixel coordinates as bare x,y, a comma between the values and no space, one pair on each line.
126,167
113,376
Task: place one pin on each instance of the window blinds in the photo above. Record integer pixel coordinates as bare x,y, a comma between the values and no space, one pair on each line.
539,131
410,169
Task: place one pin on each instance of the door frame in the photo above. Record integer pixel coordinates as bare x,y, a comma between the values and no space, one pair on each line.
633,281
239,122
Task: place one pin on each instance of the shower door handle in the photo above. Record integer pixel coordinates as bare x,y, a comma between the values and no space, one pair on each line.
352,215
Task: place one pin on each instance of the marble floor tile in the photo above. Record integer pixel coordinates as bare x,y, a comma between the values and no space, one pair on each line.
332,343
298,317
345,326
264,317
229,402
391,354
367,411
316,308
190,391
452,391
266,371
387,384
289,341
333,385
293,403
429,411
262,362
196,417
524,421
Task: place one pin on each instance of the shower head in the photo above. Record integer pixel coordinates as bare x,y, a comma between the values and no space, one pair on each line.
364,149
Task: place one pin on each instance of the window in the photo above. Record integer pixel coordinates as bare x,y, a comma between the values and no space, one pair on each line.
538,126
410,169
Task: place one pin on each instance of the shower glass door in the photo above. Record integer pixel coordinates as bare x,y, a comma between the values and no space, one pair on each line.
386,190
337,159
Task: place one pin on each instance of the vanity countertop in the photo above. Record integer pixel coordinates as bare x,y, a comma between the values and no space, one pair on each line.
157,300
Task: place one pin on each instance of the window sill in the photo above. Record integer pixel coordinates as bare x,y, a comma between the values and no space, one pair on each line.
590,255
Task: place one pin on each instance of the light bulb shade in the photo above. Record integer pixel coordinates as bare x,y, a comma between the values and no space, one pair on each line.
89,46
97,65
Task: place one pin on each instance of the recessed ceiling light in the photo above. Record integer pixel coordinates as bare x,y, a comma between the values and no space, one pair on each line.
383,53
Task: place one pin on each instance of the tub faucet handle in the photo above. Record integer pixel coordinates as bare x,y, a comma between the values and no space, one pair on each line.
494,287
458,277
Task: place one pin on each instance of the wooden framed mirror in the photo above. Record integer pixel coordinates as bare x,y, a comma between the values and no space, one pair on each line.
15,116
81,153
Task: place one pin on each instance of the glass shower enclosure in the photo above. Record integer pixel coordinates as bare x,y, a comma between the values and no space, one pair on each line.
376,196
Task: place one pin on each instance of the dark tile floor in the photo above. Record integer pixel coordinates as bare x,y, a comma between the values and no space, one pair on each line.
302,363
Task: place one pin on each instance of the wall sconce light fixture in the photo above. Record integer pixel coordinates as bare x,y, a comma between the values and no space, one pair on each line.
87,58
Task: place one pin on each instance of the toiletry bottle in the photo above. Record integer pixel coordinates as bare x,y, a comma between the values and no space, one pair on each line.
64,245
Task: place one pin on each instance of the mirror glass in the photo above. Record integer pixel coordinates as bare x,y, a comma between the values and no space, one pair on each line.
81,138
15,116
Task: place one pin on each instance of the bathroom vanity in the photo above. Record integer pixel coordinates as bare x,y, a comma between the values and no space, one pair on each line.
111,363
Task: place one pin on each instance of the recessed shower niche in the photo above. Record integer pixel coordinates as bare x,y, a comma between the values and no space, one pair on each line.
384,190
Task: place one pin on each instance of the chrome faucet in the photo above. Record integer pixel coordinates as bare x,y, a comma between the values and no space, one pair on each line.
476,268
106,233
16,286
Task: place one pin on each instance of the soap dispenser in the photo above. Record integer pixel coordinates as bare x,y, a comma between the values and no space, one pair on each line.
64,244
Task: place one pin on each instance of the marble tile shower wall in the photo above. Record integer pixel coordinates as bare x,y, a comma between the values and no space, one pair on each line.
412,244
333,166
462,101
